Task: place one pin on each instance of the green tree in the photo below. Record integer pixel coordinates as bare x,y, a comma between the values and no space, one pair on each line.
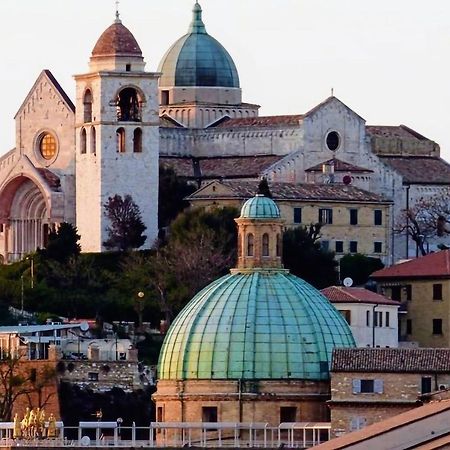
126,226
304,257
263,188
62,243
172,193
359,267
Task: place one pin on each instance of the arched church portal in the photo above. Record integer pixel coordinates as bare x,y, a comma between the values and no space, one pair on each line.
26,220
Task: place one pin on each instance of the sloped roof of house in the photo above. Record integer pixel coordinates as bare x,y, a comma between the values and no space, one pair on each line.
288,191
419,169
339,166
429,266
387,360
262,121
385,426
395,131
342,294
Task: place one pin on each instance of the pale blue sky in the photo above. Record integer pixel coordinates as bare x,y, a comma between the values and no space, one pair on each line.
386,59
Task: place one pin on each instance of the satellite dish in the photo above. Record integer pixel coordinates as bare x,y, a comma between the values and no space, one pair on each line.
84,326
348,282
347,179
85,441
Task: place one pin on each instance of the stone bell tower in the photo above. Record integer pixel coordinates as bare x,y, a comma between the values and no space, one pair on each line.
117,138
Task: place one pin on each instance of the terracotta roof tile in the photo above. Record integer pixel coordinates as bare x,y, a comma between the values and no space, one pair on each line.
116,40
262,121
420,169
429,266
411,360
288,191
385,426
396,131
182,166
341,294
339,166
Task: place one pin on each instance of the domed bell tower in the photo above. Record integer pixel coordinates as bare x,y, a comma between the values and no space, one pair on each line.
260,231
117,138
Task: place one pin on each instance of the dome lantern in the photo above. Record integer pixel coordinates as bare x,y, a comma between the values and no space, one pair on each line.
197,26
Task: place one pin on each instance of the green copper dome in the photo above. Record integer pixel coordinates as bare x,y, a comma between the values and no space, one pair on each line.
197,59
260,207
255,324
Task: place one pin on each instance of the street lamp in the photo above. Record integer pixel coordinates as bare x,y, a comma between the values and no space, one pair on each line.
119,424
140,308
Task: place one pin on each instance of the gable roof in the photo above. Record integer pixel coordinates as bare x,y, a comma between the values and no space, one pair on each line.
288,191
395,131
419,169
434,265
391,360
339,166
388,425
342,294
47,74
328,100
260,121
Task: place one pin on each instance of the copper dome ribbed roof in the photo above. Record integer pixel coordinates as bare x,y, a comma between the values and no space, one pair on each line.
117,40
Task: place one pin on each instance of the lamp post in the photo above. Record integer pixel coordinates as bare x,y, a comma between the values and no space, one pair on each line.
119,424
31,270
140,308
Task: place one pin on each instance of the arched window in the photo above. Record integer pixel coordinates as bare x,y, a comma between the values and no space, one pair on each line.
128,106
120,134
87,102
83,141
137,141
93,140
278,244
265,244
250,245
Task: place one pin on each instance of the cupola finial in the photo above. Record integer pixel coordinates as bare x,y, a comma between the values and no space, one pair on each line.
117,12
197,26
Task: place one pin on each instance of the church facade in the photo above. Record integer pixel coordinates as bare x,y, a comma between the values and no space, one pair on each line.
189,115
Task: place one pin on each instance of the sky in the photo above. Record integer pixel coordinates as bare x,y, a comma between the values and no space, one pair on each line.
388,60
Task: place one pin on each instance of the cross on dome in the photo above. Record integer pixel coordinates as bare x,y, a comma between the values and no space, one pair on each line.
117,11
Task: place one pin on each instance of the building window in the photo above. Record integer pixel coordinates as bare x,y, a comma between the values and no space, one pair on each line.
408,326
120,136
339,247
333,140
250,245
396,293
33,375
279,244
209,414
93,376
87,103
297,215
386,323
93,140
164,97
426,385
353,247
83,141
160,414
353,217
378,319
47,146
288,414
377,247
326,216
127,67
347,314
265,245
357,423
378,217
128,106
137,141
408,289
367,318
366,386
437,326
437,291
325,245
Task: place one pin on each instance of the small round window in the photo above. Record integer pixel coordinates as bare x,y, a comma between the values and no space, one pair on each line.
47,146
333,140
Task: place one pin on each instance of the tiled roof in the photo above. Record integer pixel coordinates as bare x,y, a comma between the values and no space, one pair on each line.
117,40
429,266
341,294
423,360
339,166
220,167
50,178
263,121
166,121
397,131
408,418
420,169
288,191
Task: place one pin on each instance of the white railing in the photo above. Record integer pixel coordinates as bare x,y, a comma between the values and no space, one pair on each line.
177,434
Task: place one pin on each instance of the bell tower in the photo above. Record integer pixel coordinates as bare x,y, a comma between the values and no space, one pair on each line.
117,137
